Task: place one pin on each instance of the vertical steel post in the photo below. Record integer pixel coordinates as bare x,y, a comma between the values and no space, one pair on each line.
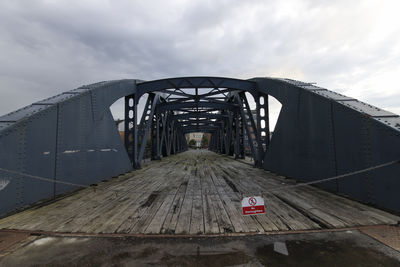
236,135
242,129
262,127
260,152
135,133
158,155
130,135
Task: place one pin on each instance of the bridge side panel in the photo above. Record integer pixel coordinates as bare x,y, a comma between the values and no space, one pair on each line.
27,147
88,150
39,156
302,142
321,134
363,141
71,137
385,181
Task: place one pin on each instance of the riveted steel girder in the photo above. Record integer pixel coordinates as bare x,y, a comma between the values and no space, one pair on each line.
196,82
172,106
196,115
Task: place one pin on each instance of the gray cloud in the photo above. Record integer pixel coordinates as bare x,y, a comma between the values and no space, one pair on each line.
51,46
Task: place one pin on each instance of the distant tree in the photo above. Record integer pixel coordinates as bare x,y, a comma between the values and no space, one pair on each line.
204,141
192,142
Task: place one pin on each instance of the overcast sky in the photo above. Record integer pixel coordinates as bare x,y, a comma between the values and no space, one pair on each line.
351,47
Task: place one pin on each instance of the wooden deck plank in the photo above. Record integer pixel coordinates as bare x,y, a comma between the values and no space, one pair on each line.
233,211
135,209
196,192
210,218
106,208
185,214
235,193
156,216
171,219
148,213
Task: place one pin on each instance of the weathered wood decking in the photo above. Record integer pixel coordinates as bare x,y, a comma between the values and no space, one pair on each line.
196,192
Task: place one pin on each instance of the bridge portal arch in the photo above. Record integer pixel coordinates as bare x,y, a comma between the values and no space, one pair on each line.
197,98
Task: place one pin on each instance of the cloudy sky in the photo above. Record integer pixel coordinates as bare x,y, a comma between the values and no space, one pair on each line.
47,47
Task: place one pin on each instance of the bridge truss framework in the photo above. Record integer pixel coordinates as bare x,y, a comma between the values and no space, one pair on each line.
176,107
72,137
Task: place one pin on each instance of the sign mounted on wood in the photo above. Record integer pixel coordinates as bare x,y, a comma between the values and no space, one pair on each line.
253,205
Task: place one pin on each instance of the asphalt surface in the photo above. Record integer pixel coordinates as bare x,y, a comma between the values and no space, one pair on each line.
346,248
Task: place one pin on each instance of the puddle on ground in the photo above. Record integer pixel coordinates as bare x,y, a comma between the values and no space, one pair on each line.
220,259
323,253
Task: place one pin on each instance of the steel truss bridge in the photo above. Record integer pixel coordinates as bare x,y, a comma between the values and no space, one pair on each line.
72,137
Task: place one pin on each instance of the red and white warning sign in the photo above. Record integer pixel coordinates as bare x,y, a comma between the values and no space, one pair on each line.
253,205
